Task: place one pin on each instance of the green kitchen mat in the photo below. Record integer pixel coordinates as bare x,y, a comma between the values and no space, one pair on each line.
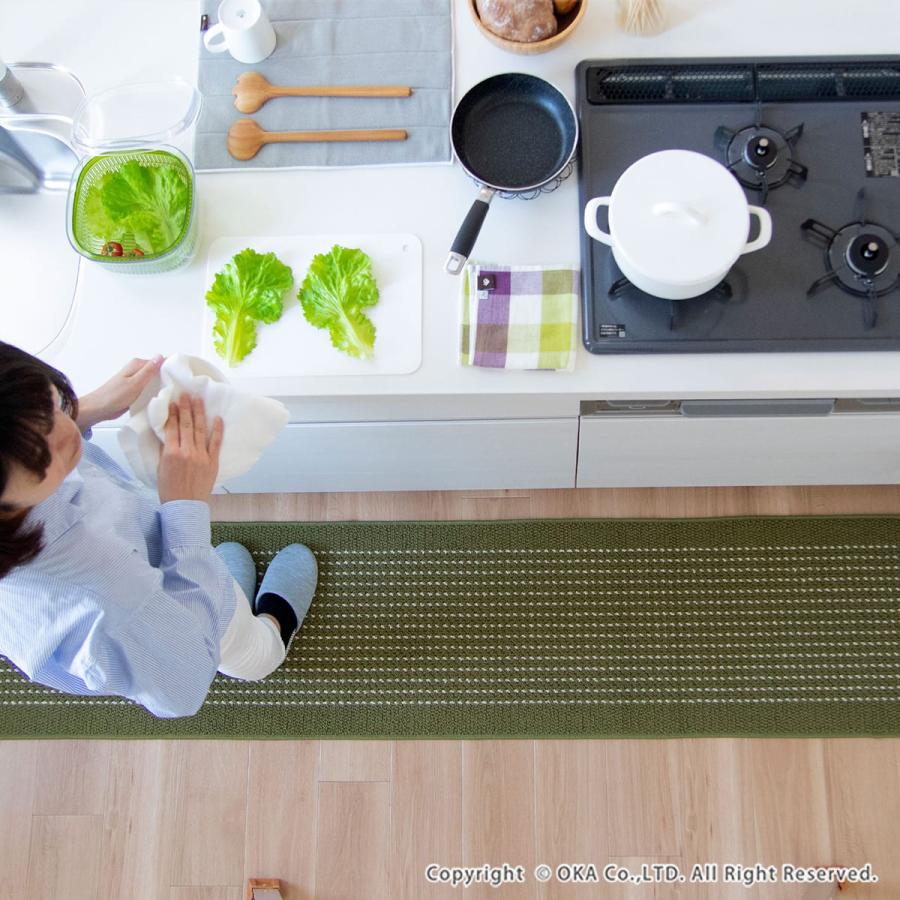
563,628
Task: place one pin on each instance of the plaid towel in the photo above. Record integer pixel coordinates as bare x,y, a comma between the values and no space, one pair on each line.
519,317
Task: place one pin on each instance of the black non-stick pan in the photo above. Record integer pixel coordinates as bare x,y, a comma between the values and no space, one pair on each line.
513,134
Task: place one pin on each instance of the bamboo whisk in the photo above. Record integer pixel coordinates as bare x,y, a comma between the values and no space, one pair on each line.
641,16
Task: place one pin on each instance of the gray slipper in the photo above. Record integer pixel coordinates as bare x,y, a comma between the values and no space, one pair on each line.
291,575
240,563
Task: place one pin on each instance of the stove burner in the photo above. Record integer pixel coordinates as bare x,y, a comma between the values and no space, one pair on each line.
721,293
761,157
868,255
761,153
861,258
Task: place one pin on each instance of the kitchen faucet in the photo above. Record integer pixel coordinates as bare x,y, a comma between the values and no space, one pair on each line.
33,157
33,154
19,173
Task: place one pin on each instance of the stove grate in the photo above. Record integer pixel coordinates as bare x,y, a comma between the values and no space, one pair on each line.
660,81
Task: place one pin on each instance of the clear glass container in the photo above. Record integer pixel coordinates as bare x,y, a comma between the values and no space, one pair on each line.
50,90
129,257
138,115
151,124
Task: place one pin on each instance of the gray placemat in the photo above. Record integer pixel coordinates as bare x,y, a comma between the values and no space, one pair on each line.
339,42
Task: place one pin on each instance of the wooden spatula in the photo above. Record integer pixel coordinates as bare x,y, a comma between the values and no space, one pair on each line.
245,137
253,90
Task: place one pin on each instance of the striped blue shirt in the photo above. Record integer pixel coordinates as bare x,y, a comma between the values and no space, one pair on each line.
126,598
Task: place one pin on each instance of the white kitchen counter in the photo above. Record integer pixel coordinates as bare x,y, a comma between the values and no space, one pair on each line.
118,317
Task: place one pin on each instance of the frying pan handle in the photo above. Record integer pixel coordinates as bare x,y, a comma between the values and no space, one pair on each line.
468,232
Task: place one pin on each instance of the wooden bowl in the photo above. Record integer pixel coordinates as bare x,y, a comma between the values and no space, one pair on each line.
567,24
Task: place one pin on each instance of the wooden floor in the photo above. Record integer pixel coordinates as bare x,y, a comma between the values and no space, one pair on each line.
192,820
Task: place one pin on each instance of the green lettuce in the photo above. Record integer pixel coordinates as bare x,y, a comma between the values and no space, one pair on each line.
338,286
150,202
99,221
248,290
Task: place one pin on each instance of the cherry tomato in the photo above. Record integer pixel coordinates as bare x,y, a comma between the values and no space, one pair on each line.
135,252
111,248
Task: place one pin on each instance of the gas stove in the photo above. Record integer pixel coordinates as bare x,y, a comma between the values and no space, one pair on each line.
815,141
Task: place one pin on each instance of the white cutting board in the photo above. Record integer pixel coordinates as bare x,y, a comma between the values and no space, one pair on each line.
291,346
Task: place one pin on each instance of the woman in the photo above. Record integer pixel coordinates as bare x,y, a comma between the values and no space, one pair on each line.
104,590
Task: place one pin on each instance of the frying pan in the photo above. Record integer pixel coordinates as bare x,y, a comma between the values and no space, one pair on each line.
513,134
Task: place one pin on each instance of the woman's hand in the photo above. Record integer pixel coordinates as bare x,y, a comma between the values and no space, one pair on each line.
110,400
190,457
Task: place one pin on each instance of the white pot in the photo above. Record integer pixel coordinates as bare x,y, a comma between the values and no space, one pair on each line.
678,221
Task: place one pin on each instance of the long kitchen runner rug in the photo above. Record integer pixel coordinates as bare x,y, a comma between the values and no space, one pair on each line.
572,628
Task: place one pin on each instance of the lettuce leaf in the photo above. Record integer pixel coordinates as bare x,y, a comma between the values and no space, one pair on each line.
248,290
150,202
98,220
338,286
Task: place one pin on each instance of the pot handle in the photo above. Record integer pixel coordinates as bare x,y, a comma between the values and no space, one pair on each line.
468,232
765,229
590,220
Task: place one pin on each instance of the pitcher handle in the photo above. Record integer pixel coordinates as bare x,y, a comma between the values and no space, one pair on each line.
213,33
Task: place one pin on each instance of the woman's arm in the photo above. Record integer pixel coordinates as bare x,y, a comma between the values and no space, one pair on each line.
101,613
165,654
171,643
111,399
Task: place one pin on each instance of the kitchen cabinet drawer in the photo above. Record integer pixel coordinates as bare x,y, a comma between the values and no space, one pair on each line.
407,456
416,456
657,451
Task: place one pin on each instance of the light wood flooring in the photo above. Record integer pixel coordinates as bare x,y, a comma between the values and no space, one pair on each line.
191,820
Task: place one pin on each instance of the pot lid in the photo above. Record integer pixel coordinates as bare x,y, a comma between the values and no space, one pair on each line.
679,217
131,115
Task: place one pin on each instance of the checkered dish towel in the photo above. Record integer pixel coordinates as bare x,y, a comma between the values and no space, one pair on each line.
519,317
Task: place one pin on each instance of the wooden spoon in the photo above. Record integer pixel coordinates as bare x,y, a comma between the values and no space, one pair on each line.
252,90
245,137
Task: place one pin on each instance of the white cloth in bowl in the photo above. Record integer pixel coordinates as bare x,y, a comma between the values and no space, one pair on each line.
251,422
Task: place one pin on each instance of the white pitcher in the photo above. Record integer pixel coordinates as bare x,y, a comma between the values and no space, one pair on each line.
245,30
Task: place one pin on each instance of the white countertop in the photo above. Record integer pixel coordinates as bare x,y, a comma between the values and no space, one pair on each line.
118,317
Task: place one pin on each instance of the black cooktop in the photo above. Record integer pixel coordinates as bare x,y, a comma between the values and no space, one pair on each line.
817,141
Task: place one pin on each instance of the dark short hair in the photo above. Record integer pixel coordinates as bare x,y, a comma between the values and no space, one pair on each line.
26,418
